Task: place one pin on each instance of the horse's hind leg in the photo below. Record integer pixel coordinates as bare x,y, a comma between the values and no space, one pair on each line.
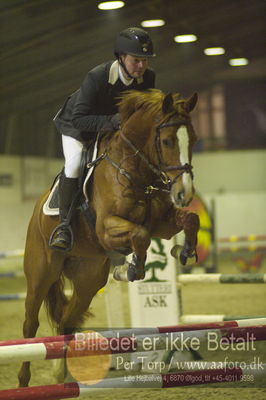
39,280
34,300
32,305
88,278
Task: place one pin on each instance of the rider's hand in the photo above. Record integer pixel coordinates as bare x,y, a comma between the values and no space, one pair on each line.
112,124
115,122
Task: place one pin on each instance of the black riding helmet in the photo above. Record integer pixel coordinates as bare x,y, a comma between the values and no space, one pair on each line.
134,41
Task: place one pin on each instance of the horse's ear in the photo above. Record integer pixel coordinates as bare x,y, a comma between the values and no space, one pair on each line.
191,102
168,104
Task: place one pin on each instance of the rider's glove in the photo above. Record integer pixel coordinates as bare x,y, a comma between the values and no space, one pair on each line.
115,122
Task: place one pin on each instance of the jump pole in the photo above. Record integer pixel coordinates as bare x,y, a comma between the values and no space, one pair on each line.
241,323
22,295
222,278
210,318
249,238
12,253
159,381
94,345
11,274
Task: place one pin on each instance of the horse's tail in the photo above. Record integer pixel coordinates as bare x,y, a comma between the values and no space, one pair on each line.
56,301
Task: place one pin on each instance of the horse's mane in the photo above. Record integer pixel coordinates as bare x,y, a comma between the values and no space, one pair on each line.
151,99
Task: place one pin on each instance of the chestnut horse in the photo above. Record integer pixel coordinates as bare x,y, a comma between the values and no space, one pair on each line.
140,184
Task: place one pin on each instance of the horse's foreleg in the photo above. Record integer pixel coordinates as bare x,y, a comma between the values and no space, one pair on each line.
190,224
120,235
174,221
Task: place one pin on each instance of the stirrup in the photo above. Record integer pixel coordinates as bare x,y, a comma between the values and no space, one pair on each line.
64,226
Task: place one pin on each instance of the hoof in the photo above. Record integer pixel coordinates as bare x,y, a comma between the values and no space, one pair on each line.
185,257
128,273
120,273
188,260
131,273
134,275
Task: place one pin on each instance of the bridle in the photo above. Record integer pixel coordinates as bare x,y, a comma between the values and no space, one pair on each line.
187,167
159,171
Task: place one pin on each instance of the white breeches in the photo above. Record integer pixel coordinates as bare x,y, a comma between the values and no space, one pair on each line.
72,149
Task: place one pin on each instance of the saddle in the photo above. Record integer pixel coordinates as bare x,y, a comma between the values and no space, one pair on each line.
51,206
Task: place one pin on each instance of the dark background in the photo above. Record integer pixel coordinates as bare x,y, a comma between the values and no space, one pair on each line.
47,46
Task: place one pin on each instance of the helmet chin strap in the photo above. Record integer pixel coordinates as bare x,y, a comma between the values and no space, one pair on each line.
124,68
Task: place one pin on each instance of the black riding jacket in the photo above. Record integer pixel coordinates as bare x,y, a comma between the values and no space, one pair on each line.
90,108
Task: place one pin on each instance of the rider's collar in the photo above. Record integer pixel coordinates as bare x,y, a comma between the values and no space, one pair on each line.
115,73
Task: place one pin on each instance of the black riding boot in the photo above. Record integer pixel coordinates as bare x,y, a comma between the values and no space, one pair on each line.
61,238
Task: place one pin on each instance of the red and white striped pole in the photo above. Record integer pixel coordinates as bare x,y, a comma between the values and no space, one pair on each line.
191,378
242,323
99,345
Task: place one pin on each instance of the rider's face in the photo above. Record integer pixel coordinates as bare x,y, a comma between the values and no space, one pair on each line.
136,66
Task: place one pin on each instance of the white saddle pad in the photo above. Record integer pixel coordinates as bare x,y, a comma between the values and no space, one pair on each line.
51,206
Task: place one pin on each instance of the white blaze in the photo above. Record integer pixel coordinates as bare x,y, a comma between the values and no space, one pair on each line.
183,141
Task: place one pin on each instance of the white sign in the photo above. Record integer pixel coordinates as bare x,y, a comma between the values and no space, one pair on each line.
153,301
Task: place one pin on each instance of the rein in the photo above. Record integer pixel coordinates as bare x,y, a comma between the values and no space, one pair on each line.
163,177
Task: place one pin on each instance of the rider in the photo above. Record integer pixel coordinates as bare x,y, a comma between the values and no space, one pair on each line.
93,108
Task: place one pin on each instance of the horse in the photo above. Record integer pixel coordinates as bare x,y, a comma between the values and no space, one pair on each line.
141,182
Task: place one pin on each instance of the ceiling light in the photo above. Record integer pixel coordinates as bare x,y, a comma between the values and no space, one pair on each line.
237,62
151,23
185,38
110,5
214,51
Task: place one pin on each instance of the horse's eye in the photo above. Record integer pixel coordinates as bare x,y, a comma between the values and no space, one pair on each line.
167,142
